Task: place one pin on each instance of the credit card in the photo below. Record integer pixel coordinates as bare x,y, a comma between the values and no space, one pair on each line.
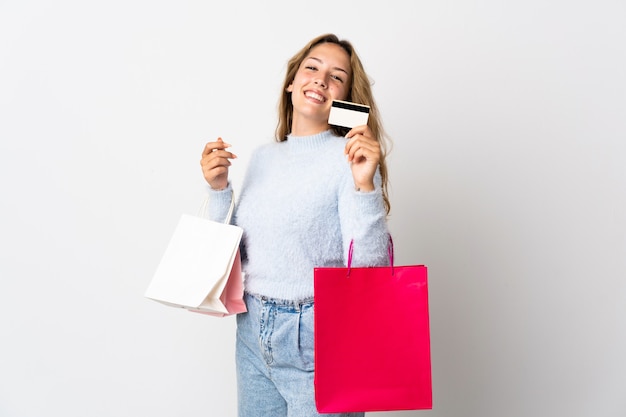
347,114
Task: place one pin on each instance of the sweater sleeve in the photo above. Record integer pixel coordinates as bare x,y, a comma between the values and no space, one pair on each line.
363,219
218,203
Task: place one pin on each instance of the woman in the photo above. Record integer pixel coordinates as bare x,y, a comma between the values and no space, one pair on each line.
304,198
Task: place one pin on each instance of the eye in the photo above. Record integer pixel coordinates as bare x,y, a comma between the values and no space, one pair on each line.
311,67
337,78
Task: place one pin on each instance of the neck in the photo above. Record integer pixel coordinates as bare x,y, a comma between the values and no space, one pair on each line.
308,127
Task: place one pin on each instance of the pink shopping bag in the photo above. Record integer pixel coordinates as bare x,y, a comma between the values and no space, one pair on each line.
372,338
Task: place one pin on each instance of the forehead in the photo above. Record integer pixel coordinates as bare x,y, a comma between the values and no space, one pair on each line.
331,54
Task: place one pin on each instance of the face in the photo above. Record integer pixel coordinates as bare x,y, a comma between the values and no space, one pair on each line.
323,76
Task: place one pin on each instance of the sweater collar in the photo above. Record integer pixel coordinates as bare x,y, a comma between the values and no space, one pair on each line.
310,142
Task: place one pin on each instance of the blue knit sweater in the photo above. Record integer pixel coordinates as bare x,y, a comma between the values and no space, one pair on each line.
299,209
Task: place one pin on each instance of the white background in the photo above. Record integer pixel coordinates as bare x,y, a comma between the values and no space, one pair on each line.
508,178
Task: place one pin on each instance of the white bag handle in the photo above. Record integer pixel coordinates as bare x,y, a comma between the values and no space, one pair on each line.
205,204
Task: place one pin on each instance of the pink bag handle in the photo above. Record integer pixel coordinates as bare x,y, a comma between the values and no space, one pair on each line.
389,251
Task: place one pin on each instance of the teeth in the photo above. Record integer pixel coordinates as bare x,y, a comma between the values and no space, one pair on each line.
314,95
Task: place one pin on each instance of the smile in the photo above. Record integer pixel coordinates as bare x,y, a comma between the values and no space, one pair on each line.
315,96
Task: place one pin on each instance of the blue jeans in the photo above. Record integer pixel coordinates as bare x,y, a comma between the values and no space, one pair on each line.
275,359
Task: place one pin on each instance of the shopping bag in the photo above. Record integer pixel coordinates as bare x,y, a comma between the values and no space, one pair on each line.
372,338
201,268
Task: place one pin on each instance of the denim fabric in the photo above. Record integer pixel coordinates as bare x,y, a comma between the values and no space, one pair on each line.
275,359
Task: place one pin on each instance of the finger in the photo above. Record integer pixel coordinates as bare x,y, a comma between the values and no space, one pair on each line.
215,168
214,160
362,129
360,142
218,153
360,151
359,137
212,146
360,133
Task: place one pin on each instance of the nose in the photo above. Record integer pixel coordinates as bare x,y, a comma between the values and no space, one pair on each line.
321,82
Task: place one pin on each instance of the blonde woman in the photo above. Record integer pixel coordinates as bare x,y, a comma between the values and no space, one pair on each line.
303,199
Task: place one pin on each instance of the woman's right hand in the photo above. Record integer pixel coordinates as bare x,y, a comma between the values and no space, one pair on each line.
215,162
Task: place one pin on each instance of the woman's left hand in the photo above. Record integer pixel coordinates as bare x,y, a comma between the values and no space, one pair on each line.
363,152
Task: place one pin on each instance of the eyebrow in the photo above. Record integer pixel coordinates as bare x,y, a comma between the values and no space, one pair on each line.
335,68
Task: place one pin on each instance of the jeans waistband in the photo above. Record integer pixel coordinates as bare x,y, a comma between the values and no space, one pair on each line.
296,304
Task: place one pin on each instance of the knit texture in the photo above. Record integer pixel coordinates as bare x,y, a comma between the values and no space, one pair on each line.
299,210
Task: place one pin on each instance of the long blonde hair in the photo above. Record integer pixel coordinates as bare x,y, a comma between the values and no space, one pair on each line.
360,92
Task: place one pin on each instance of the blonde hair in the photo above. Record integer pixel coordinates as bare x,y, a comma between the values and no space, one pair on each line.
360,92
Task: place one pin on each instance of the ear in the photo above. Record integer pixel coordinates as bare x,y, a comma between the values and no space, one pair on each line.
289,88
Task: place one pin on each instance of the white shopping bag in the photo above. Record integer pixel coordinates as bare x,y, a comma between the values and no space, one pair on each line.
201,268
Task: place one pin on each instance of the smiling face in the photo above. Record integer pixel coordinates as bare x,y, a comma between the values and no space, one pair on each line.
323,76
